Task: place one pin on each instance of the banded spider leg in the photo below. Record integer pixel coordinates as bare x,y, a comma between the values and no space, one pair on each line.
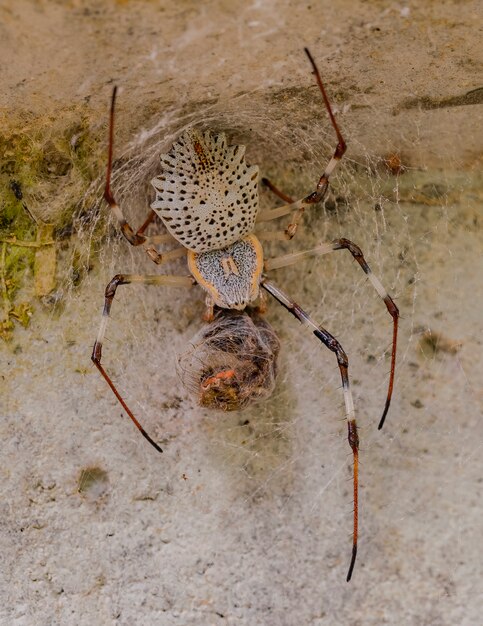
342,361
329,341
128,279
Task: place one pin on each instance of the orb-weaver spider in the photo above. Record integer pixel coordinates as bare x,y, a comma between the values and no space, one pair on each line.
207,198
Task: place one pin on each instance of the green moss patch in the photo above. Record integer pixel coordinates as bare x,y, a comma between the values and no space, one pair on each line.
47,164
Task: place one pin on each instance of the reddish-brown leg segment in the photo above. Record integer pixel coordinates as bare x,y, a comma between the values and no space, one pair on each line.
331,342
318,195
283,196
126,279
150,218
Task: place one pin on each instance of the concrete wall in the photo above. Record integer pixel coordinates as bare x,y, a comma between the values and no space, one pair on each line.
246,517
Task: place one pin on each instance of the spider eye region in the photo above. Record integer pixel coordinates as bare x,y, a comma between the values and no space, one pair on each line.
230,275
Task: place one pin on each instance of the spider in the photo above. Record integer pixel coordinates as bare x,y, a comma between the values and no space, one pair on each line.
207,198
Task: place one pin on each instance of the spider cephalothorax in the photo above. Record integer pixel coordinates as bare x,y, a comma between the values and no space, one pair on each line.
231,275
207,197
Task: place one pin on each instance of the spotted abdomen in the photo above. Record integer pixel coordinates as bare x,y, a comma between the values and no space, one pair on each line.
230,275
207,196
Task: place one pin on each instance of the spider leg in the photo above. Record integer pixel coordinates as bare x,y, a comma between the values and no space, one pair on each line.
332,344
278,235
126,279
318,195
150,218
276,191
345,244
135,238
165,238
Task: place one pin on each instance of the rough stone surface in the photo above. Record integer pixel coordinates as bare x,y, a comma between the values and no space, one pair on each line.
246,518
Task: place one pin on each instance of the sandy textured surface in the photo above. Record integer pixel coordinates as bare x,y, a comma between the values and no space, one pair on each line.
246,518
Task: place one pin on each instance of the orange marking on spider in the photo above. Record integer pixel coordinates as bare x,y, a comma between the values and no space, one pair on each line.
216,378
200,153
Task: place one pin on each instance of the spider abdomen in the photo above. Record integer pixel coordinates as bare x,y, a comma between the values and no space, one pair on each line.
207,195
230,275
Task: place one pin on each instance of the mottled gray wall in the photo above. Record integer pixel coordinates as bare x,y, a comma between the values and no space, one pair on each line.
246,517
